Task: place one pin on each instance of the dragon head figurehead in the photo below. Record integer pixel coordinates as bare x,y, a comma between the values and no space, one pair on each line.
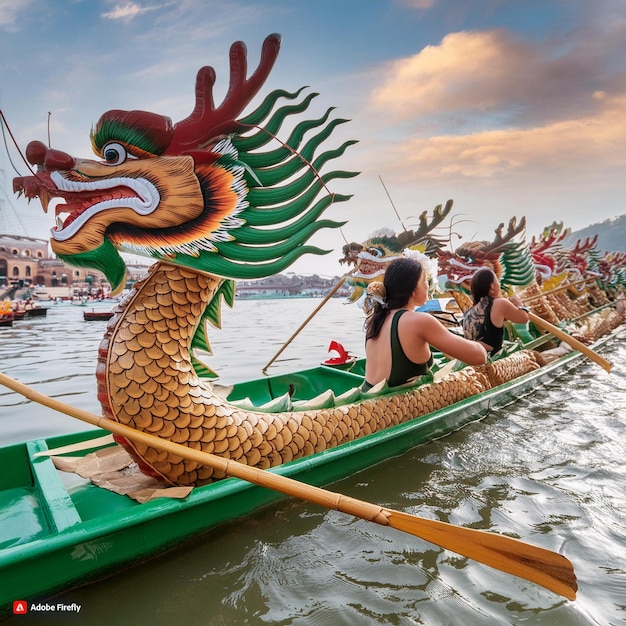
371,258
611,267
548,256
197,193
510,260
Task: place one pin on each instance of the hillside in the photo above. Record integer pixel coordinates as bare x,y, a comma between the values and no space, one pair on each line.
611,234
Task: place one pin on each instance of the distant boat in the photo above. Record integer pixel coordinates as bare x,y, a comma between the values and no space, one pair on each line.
93,315
35,311
6,319
41,294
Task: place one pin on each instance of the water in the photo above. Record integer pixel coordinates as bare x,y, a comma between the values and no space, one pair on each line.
548,469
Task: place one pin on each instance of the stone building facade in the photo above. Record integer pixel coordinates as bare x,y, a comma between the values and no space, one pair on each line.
26,261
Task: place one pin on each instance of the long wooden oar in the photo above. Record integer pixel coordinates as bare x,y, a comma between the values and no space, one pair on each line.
569,340
330,294
538,565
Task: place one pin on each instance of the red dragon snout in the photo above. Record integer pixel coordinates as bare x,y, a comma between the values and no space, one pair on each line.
46,160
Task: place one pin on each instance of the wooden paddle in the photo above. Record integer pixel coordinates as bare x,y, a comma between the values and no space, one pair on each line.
538,565
330,294
569,340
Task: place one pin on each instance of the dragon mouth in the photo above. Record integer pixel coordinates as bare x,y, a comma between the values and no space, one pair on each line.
370,266
78,201
458,272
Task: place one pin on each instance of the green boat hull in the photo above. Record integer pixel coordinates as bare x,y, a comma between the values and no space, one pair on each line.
56,535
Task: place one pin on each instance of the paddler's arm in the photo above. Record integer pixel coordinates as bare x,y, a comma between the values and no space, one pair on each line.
451,344
512,310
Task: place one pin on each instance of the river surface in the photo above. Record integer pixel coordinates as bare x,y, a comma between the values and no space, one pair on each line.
549,469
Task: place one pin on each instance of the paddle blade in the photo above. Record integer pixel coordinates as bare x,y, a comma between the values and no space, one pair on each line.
538,565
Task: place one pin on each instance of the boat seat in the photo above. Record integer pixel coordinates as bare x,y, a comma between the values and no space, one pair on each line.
59,509
521,333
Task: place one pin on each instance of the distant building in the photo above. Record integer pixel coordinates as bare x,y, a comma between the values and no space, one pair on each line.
286,285
26,261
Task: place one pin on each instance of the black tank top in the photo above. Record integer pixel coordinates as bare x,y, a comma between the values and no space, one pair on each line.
402,368
477,325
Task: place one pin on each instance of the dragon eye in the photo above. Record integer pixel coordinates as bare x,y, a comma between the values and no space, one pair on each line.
114,154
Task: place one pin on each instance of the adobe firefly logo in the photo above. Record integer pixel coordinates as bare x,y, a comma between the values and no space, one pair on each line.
20,607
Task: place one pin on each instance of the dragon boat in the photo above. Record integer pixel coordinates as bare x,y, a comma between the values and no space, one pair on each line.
97,316
210,203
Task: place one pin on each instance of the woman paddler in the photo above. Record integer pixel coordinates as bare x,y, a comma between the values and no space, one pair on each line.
484,321
397,338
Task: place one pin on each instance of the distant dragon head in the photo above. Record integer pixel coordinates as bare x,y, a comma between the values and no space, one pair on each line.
197,193
371,258
583,255
548,256
510,260
611,267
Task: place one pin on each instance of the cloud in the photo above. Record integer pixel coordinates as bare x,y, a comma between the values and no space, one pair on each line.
416,4
126,11
10,10
574,151
471,75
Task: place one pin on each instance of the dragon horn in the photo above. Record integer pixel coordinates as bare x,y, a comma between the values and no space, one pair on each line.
207,122
513,230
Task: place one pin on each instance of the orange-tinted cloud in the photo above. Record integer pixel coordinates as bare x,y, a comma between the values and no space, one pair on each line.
580,147
488,105
470,75
466,70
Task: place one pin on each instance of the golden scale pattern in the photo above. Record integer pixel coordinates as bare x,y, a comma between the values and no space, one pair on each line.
600,324
151,386
597,296
565,307
539,304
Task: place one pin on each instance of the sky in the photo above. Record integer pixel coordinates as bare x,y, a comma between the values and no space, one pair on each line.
509,107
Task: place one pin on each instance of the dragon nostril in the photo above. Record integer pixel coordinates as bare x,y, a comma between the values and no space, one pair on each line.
57,160
36,152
